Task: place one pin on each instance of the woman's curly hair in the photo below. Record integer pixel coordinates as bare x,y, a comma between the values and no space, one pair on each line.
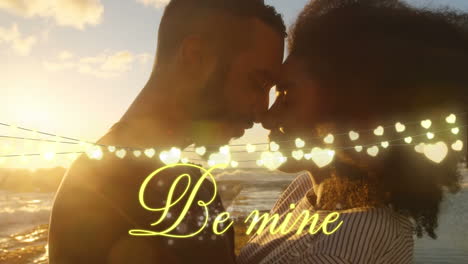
384,60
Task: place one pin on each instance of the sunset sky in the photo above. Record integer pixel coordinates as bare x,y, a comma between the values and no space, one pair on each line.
72,67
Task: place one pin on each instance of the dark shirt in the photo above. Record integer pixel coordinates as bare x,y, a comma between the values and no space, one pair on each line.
97,204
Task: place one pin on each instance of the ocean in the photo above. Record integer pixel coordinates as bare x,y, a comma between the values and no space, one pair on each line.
242,191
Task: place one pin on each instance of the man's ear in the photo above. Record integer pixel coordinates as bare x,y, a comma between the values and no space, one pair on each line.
196,58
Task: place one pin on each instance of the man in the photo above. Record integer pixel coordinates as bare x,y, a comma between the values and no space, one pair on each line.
215,63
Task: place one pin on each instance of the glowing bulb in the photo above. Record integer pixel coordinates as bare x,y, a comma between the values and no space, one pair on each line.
458,145
329,139
300,143
436,152
455,130
353,135
399,127
110,148
250,148
373,151
379,131
430,135
408,140
95,152
426,123
200,150
419,148
298,154
274,147
121,153
225,150
150,153
170,157
260,163
234,164
451,119
137,153
49,156
184,160
322,157
358,148
385,144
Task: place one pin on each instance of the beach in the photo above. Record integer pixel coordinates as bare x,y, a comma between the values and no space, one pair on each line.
24,217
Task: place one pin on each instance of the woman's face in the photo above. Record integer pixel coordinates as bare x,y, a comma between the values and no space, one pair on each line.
294,113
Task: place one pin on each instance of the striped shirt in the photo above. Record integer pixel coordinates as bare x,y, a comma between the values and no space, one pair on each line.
367,235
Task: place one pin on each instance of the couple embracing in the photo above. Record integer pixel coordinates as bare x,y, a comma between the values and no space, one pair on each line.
350,64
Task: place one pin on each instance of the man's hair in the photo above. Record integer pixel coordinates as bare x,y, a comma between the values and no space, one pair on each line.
184,17
388,61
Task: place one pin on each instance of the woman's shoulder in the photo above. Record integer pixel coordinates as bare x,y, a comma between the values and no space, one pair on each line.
367,235
295,191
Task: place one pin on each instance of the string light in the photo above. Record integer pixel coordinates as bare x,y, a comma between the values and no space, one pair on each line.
271,159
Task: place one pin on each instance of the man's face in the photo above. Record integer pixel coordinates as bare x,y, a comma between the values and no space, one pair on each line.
237,93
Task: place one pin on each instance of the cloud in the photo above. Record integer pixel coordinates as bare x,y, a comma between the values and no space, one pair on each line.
13,37
75,13
104,65
154,3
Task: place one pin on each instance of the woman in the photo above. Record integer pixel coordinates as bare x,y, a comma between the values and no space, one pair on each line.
356,65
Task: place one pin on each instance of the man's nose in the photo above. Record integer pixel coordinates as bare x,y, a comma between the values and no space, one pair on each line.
271,118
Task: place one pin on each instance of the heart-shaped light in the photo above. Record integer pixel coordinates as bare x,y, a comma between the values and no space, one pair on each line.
298,154
308,156
170,157
385,144
379,131
426,124
458,145
353,135
137,153
419,148
234,164
200,151
430,135
358,148
399,127
451,119
220,159
329,139
150,153
436,152
300,143
273,146
373,151
250,148
272,160
121,153
111,148
226,150
455,130
322,157
408,140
